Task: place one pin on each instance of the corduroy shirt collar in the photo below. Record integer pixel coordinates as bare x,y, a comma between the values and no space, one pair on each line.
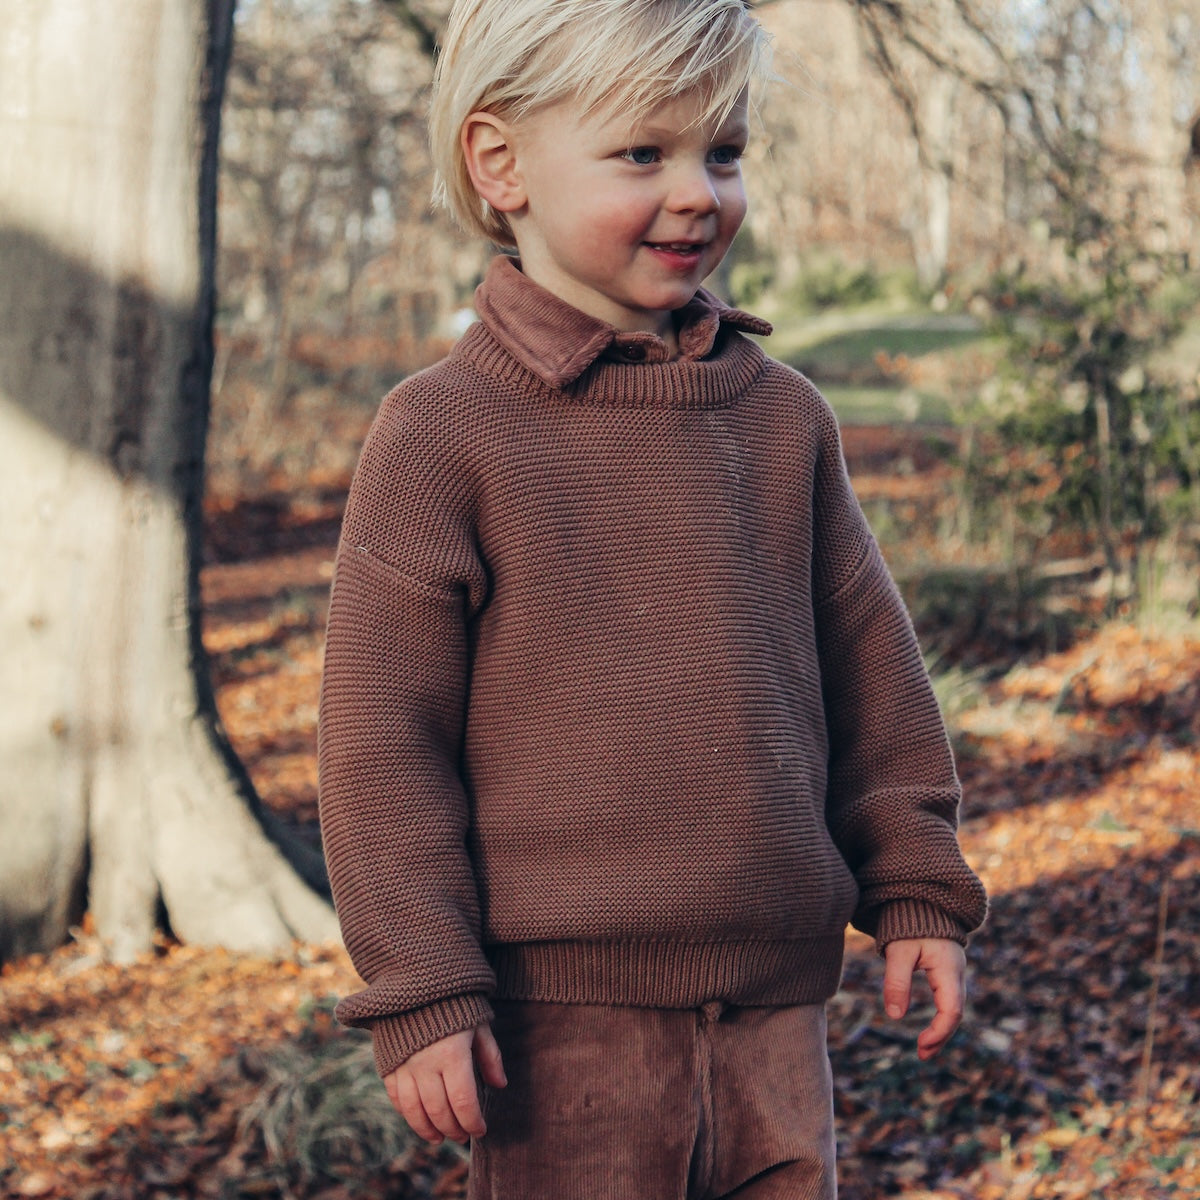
558,343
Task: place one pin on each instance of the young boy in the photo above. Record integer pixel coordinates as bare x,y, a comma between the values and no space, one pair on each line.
623,718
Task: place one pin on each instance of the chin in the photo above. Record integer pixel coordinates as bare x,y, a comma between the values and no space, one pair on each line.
669,294
678,296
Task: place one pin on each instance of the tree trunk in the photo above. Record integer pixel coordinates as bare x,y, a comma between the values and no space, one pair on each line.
117,789
1167,137
935,174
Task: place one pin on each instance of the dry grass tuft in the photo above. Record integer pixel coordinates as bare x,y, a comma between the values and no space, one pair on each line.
321,1113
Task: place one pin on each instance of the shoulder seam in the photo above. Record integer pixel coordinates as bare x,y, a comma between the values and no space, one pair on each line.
410,581
855,576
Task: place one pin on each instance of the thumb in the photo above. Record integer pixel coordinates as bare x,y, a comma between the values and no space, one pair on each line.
900,960
487,1057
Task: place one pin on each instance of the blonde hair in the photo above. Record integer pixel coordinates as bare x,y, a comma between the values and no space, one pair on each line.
511,57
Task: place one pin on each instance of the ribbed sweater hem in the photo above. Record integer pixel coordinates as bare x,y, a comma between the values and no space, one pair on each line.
669,974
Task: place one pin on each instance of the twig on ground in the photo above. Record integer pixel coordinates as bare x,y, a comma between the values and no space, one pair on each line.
1164,898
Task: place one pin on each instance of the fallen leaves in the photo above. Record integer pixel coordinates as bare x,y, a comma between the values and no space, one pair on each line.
1047,1090
162,1080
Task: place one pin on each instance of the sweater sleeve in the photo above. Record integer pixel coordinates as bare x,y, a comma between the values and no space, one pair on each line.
893,793
394,812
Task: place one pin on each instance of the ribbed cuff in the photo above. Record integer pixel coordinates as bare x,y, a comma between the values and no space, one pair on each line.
669,974
900,919
400,1037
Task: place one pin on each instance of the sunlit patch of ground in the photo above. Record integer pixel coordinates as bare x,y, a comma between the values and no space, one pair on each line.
1075,1075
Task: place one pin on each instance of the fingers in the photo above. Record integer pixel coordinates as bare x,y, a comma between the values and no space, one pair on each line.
462,1091
391,1087
410,1106
435,1090
946,972
487,1057
944,964
439,1097
900,960
937,1033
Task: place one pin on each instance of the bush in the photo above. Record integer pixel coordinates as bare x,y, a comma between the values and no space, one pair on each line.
831,282
1084,428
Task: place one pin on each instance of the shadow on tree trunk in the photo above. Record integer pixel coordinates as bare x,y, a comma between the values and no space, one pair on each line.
113,766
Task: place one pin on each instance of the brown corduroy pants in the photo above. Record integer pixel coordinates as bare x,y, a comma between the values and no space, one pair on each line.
622,1103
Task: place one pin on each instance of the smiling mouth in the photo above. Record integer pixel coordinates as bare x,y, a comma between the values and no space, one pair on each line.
677,247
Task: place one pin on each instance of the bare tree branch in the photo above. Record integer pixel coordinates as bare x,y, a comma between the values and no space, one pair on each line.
424,27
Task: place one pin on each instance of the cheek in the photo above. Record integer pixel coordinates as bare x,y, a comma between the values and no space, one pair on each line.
617,223
593,234
733,211
574,228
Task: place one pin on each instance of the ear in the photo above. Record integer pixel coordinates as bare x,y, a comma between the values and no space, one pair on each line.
490,153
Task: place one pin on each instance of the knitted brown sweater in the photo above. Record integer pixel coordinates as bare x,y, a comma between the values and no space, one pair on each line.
620,702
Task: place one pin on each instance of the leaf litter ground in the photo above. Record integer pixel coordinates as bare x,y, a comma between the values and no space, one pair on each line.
196,1073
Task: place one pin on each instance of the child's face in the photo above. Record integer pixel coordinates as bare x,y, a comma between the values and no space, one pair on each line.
625,224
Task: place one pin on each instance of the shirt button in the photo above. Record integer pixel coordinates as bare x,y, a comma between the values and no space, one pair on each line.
635,353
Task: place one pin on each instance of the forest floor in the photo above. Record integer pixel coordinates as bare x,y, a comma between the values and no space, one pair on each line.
198,1073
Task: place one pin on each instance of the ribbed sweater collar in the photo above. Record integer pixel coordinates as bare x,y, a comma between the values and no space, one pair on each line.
527,328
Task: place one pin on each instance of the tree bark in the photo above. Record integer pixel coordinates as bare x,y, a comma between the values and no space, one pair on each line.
1167,137
117,789
935,175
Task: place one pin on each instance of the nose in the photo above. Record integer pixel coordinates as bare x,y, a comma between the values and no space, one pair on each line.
693,191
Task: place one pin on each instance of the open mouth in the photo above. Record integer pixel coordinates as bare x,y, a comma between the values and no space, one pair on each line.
677,247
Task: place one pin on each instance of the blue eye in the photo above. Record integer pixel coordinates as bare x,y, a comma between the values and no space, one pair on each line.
724,156
643,156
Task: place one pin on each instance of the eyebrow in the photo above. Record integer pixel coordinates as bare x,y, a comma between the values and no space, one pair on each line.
734,130
729,131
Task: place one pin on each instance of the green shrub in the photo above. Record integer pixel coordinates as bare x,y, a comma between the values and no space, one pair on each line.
1082,428
828,281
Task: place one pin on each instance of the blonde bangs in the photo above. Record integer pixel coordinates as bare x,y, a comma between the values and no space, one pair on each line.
513,57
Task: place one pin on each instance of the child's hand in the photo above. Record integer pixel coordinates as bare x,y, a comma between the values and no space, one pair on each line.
435,1091
945,966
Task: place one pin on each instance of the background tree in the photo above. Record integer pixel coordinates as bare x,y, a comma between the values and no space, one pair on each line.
1087,423
335,274
945,133
116,786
